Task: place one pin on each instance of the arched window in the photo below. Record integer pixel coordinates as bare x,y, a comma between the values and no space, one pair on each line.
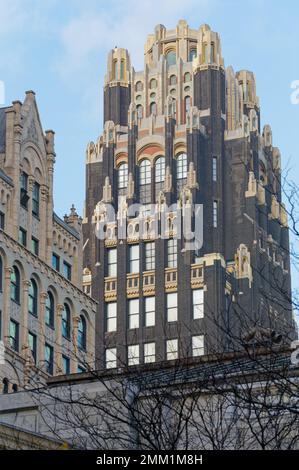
192,54
1,274
15,285
145,172
172,80
33,298
181,166
139,111
122,175
66,322
187,77
171,57
153,84
153,108
187,103
50,310
82,333
160,170
139,86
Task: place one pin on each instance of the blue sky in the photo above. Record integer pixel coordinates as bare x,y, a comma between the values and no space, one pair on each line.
59,49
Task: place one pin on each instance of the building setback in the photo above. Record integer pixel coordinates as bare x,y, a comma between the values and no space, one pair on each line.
46,320
185,130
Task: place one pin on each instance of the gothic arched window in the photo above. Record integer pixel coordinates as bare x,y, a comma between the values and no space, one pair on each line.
66,322
33,298
122,175
50,309
171,57
15,285
145,172
82,333
160,170
181,166
153,108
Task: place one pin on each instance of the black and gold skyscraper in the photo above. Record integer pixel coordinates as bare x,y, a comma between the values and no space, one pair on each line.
185,130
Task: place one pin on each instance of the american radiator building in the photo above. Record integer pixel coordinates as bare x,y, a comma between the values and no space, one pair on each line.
185,131
46,320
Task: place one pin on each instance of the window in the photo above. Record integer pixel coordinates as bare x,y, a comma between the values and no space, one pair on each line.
35,199
50,310
214,169
171,57
149,352
134,258
122,69
149,256
67,270
49,359
145,172
172,80
111,317
133,313
112,262
139,109
181,166
24,190
171,349
172,253
192,54
212,52
55,262
2,220
33,298
65,365
153,84
81,369
198,303
35,246
187,77
110,358
66,322
215,214
82,333
153,108
172,307
198,345
32,345
187,101
114,70
14,335
133,355
15,285
1,280
160,170
138,86
123,176
149,311
22,236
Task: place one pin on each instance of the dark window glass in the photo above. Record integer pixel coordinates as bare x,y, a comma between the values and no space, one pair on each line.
35,246
50,306
15,285
24,190
35,199
49,358
14,335
22,236
2,221
65,364
32,345
33,298
82,333
56,262
67,270
66,322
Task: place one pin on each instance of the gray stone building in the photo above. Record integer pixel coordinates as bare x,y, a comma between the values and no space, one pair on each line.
186,131
46,320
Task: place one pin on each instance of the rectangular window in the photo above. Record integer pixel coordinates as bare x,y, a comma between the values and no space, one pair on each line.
149,311
49,358
24,190
55,262
198,345
134,259
81,369
149,353
111,317
22,236
215,214
172,307
171,349
2,221
14,335
35,199
35,246
172,253
65,365
110,358
32,345
133,313
149,256
112,262
215,161
67,270
198,303
133,355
